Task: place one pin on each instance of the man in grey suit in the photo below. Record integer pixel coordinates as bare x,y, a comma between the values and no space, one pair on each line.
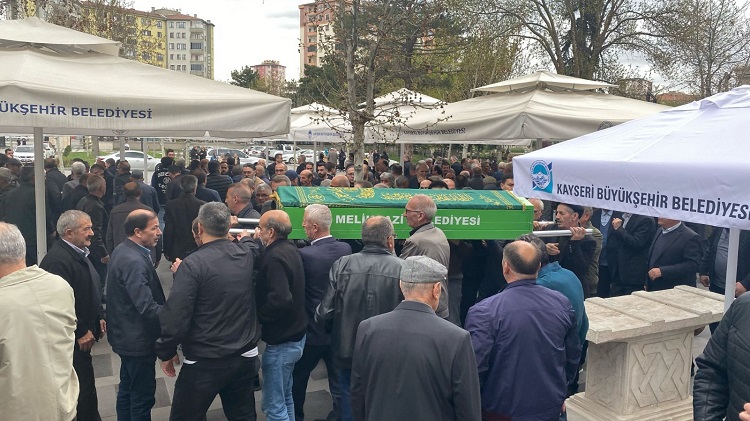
427,240
413,346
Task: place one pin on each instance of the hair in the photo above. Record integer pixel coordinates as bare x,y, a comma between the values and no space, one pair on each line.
188,183
263,187
131,189
166,161
236,170
174,169
248,166
214,217
397,170
506,177
438,184
168,151
194,226
416,288
84,179
242,191
516,261
70,220
200,175
363,184
248,182
77,168
12,244
376,230
402,182
5,175
534,199
180,162
325,183
98,167
50,163
194,165
538,243
425,204
124,166
319,214
330,167
213,166
138,219
281,180
110,161
587,210
280,227
95,182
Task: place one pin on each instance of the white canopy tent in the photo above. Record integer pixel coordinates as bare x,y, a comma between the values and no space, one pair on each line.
683,163
543,78
516,117
54,81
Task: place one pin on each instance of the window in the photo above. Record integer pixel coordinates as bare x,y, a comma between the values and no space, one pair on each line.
312,48
171,24
158,34
181,25
184,56
182,46
183,35
196,67
146,56
171,57
196,57
171,67
159,57
159,25
146,21
171,46
196,45
171,34
184,67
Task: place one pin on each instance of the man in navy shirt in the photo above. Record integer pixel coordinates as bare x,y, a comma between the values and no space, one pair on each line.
526,343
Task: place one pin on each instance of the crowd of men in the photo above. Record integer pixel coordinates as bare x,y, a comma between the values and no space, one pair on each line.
420,328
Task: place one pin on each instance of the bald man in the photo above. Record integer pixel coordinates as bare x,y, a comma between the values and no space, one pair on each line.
280,296
340,181
540,340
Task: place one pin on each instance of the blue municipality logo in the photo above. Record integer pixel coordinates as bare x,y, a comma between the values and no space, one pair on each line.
541,176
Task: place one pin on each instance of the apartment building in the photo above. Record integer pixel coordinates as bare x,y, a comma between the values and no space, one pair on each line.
190,43
316,29
272,74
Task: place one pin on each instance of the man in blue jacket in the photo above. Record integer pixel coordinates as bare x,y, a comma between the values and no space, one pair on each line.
134,298
526,343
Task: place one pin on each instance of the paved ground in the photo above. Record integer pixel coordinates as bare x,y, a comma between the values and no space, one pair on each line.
317,404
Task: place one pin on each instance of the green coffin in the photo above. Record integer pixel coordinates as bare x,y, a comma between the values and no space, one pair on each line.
462,214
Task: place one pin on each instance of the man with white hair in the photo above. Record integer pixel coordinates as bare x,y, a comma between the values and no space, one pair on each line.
68,258
76,170
37,335
317,260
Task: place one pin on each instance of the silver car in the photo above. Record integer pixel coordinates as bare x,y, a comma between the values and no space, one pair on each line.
135,159
24,153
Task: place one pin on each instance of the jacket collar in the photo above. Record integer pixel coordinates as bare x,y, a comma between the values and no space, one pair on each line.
550,267
520,283
421,228
22,275
415,306
324,240
375,249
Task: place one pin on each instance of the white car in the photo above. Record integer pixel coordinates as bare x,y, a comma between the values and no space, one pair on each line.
135,159
216,154
48,151
24,153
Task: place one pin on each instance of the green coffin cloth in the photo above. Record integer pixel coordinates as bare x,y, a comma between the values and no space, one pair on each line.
397,198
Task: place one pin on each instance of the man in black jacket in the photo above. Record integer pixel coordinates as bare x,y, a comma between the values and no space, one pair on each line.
627,252
68,259
722,382
116,228
317,259
370,276
93,206
53,173
217,325
281,312
674,256
134,299
216,181
178,220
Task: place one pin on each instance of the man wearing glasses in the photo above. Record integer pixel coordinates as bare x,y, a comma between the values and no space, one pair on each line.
427,240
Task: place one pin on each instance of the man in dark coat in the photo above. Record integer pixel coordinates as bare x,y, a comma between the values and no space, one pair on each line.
627,253
67,259
674,256
317,260
601,219
70,201
178,220
93,206
149,197
202,192
18,208
239,201
53,173
134,299
415,346
216,181
116,229
280,296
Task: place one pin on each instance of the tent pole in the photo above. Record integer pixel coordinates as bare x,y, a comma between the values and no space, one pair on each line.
732,258
145,159
40,195
402,151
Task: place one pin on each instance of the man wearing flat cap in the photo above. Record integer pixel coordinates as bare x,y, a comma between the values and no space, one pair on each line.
576,252
431,359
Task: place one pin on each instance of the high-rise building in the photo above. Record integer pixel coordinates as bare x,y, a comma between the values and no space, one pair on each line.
190,43
315,32
272,74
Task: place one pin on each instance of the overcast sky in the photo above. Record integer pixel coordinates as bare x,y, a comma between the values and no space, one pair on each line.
246,31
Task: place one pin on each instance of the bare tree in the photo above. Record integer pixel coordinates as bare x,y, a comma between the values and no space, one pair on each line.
704,42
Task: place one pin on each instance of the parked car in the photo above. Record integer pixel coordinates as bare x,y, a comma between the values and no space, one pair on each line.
135,159
48,151
24,153
219,153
